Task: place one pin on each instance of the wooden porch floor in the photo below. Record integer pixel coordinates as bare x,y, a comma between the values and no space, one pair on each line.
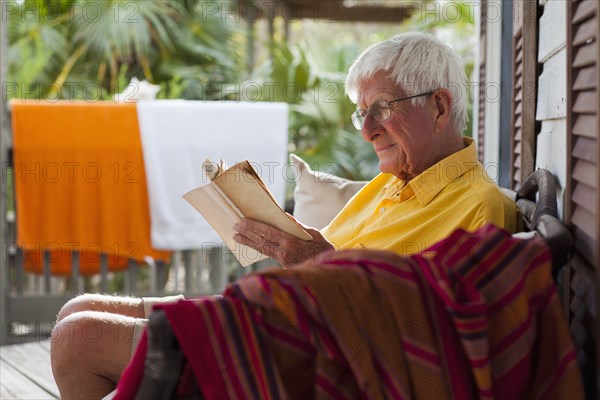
25,372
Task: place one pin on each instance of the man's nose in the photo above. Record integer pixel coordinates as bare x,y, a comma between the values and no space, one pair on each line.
370,128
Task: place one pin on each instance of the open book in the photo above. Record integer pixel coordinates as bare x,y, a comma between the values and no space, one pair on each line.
236,193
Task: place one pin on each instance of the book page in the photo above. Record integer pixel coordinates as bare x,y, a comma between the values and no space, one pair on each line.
247,191
221,214
236,193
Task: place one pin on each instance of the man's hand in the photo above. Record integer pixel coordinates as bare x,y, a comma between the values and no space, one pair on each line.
286,249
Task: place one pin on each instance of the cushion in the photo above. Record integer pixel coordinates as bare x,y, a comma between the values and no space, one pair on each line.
318,196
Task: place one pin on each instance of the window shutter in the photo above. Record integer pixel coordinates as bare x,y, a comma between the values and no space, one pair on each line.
583,276
525,25
482,80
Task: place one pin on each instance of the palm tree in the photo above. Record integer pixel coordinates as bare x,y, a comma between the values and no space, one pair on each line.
107,34
66,44
208,53
35,46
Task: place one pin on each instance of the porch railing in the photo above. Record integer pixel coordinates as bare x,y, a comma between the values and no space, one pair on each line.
32,301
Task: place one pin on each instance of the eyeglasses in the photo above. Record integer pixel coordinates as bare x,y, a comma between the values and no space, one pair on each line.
380,110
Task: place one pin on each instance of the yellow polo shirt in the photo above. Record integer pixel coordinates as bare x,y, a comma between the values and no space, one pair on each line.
408,217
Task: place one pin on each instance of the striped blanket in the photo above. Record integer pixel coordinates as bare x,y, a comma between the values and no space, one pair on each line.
474,316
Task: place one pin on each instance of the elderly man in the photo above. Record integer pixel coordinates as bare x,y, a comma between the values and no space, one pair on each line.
411,97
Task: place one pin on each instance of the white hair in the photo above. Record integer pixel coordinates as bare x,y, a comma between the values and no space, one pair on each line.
418,63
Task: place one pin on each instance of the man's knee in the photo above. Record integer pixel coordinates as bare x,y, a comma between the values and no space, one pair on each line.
97,302
77,332
81,336
68,342
80,303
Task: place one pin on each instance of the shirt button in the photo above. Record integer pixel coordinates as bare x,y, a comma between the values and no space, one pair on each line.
381,210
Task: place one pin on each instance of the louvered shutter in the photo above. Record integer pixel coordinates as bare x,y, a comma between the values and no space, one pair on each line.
525,25
482,80
583,277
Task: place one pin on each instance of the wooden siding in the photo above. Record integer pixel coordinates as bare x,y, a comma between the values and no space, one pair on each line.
583,35
551,112
524,90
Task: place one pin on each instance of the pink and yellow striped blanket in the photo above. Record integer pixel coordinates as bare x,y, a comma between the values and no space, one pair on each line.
475,316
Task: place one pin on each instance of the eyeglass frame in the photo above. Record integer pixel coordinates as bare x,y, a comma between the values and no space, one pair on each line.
358,124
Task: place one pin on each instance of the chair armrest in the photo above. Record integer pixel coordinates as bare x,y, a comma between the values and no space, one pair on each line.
542,216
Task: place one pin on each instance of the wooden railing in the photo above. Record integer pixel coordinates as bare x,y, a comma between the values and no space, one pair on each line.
32,301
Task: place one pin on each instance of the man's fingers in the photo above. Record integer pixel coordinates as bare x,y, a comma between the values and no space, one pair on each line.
257,242
254,245
283,247
255,227
253,237
261,233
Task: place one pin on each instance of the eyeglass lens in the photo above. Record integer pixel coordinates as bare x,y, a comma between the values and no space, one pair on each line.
380,111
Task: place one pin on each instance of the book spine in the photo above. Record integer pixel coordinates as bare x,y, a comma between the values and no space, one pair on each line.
229,208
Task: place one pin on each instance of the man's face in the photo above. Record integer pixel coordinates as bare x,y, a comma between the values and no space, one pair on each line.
405,142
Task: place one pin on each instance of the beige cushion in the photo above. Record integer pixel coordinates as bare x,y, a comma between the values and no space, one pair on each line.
319,196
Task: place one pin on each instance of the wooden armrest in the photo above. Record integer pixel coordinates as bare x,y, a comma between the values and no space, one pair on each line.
542,216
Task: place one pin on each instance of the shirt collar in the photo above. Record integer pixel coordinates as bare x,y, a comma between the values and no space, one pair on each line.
431,181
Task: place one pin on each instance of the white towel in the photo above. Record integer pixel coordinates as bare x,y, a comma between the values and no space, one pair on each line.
178,135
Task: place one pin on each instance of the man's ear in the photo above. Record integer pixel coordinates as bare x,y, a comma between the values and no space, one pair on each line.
443,107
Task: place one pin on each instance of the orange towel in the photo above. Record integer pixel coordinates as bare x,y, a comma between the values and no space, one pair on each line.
80,184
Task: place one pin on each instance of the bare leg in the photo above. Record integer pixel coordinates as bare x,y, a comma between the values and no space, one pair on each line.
91,344
130,306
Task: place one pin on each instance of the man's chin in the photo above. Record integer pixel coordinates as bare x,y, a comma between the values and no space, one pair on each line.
399,173
382,168
387,167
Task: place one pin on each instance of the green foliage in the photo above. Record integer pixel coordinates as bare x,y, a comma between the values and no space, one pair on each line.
34,46
90,49
172,89
209,53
